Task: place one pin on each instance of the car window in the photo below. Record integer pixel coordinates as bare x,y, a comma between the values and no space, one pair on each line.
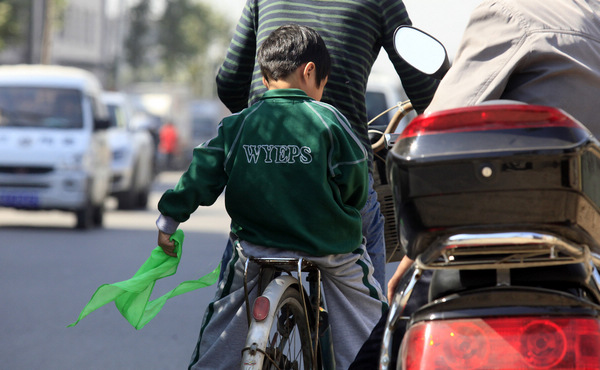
99,109
117,116
40,107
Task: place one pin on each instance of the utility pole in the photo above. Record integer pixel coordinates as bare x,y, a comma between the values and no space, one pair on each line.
47,32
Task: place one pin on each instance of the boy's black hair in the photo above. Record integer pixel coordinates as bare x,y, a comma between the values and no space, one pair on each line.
290,46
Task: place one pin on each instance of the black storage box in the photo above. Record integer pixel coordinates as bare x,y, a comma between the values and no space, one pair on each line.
495,168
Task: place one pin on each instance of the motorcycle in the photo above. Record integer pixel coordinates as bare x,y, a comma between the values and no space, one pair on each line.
500,204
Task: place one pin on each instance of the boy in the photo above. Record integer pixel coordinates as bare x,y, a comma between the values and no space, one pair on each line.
355,32
296,178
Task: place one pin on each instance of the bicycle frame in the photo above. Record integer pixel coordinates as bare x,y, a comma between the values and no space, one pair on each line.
272,285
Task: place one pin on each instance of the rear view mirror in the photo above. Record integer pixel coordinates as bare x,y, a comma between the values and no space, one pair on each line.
422,51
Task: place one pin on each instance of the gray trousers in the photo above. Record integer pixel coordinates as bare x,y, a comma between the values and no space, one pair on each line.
354,300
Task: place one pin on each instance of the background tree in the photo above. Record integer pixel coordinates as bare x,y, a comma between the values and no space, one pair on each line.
13,24
137,41
192,39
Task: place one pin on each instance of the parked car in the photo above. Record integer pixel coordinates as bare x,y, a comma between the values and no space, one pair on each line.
133,154
54,152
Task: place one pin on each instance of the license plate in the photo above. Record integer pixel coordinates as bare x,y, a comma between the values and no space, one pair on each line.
19,200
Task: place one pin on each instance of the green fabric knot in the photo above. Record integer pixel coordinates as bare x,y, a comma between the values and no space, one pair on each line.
132,297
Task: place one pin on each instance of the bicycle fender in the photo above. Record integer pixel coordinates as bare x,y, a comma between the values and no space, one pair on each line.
256,341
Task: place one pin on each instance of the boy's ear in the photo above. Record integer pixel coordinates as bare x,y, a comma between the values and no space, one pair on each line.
309,68
265,82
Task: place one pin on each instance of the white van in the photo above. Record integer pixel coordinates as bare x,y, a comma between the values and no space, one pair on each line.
133,154
53,149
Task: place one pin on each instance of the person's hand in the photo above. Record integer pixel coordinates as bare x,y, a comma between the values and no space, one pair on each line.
167,245
392,285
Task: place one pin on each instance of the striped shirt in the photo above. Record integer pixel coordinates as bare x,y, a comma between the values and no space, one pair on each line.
354,32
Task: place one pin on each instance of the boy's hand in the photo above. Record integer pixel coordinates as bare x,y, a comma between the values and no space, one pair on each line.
167,245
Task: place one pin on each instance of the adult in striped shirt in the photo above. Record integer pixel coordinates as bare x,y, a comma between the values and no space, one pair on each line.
354,32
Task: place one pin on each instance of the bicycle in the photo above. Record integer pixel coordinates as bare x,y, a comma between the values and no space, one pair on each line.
287,325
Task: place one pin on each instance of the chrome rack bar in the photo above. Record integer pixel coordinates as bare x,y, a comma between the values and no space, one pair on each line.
403,293
509,250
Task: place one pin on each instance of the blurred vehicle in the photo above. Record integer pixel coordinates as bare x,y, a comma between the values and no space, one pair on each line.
53,138
206,114
162,102
133,154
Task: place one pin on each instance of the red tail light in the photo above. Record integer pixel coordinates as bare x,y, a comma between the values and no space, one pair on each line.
487,117
503,343
261,308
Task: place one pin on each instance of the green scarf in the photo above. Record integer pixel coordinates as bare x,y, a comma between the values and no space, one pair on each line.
132,296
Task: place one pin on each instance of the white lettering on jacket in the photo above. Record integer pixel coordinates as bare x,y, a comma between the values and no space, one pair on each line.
277,153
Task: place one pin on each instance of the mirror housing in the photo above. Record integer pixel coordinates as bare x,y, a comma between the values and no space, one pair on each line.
422,51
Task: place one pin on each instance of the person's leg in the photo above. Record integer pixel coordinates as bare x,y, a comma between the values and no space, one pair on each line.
353,297
368,355
225,258
224,327
354,300
373,230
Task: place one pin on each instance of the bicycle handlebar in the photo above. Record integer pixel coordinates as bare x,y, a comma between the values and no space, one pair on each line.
404,108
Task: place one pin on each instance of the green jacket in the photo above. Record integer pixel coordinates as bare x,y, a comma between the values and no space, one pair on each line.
294,173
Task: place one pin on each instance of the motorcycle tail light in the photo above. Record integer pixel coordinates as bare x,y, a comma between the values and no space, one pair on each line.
503,343
487,118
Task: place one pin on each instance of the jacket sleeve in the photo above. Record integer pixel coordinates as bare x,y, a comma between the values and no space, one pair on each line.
418,86
235,74
200,185
488,54
350,167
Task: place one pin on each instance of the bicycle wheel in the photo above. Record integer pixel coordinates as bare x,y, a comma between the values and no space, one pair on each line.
289,342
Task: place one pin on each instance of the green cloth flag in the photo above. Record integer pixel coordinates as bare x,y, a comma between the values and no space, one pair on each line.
132,297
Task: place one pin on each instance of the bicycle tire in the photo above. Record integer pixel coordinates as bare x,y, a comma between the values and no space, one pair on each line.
288,341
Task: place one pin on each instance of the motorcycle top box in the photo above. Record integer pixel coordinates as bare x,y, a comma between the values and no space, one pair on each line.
492,168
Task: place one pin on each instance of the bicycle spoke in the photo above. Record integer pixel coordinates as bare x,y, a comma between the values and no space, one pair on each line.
286,350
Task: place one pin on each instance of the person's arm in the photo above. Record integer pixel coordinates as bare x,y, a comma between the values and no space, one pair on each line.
201,184
418,86
235,74
488,55
392,285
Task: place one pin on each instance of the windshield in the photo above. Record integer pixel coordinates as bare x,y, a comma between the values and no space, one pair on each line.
117,116
40,107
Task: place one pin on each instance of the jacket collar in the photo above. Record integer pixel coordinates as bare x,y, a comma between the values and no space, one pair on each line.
285,93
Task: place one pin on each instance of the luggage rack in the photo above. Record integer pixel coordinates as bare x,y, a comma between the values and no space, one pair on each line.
500,251
504,250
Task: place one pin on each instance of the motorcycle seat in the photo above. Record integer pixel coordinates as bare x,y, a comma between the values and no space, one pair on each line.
562,277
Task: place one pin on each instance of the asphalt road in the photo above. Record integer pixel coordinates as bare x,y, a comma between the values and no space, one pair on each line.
49,271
